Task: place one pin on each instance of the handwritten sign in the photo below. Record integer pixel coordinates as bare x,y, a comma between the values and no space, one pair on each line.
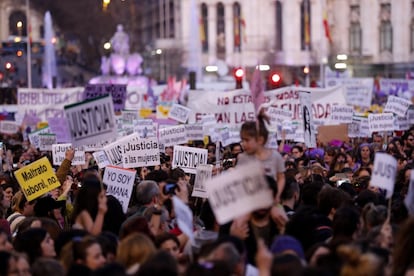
91,121
37,178
238,192
120,183
383,174
188,158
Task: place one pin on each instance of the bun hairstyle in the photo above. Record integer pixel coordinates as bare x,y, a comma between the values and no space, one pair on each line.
356,263
258,128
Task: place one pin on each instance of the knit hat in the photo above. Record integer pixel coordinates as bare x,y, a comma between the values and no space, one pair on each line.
285,243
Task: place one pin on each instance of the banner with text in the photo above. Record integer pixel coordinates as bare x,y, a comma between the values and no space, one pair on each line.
59,151
383,174
396,105
101,159
114,150
179,113
381,122
117,91
9,127
141,153
358,90
173,135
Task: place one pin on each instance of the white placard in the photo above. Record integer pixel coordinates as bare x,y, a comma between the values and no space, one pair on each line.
114,150
409,198
381,122
173,135
383,174
307,119
129,116
34,136
58,154
238,192
179,113
194,132
410,116
145,128
188,158
184,217
91,120
46,140
353,129
204,173
9,127
120,183
342,114
101,159
402,123
397,105
141,153
277,117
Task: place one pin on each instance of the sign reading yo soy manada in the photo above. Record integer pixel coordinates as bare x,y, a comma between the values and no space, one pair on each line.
37,178
91,121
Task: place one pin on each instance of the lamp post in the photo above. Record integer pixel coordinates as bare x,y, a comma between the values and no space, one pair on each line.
29,48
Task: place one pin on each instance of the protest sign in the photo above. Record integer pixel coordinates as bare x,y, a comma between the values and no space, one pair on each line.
46,140
117,91
188,158
114,150
184,217
381,122
47,103
60,127
9,127
120,183
34,136
308,128
129,116
409,198
37,178
173,135
238,192
277,116
59,151
402,123
402,88
342,114
194,132
203,173
140,153
179,113
383,174
145,128
358,90
101,159
396,105
91,121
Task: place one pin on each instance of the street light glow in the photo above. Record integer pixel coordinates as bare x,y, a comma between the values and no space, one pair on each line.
19,24
263,67
341,57
8,65
17,39
211,68
340,65
107,45
158,51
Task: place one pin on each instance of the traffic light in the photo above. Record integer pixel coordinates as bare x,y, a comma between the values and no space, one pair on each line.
238,76
274,81
8,66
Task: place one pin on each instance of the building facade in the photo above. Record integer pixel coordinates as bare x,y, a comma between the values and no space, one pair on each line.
377,35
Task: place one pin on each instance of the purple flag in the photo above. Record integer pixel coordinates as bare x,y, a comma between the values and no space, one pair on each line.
257,90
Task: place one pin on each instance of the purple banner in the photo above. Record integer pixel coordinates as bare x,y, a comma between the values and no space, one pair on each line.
60,127
118,92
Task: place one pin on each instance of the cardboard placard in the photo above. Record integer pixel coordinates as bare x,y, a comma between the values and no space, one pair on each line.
120,183
188,158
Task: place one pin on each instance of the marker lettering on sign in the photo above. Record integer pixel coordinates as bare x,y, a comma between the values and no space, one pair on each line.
385,170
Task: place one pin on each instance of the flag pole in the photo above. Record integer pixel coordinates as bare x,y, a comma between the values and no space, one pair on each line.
306,8
28,46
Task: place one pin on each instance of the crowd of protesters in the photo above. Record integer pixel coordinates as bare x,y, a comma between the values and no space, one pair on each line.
326,218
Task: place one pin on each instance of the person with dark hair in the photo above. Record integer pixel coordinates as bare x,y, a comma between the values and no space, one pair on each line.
87,251
345,224
169,243
296,152
21,209
330,199
5,241
114,217
402,261
47,266
7,263
290,196
36,243
90,205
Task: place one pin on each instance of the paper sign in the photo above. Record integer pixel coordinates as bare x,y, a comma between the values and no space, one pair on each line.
46,141
410,116
91,121
188,158
101,159
278,116
129,116
179,113
141,153
409,198
34,136
114,150
9,127
238,192
306,106
203,173
37,178
60,127
381,122
194,132
397,105
58,154
383,174
145,128
342,114
184,217
401,123
173,135
120,183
